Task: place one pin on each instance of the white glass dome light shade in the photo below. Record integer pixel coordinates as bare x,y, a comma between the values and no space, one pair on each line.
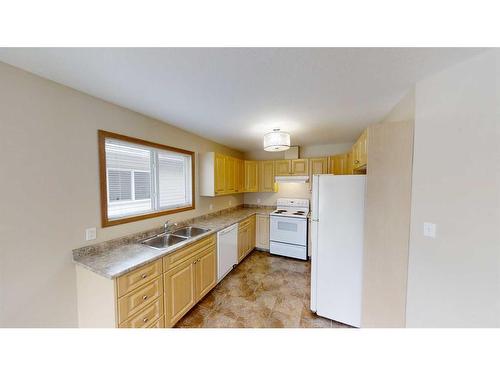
276,141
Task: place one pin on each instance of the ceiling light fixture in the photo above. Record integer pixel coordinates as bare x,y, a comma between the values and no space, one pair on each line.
276,141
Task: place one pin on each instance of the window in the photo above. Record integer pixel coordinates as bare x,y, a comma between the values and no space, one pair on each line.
140,179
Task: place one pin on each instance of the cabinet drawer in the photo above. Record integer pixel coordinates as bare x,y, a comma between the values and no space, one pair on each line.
173,260
138,277
247,221
160,323
146,316
133,302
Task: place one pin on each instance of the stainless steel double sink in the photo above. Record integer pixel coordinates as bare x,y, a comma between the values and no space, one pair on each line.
164,240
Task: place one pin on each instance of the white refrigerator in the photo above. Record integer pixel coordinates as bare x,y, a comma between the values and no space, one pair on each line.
337,247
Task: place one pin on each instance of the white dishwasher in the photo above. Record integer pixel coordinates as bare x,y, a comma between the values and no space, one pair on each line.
227,250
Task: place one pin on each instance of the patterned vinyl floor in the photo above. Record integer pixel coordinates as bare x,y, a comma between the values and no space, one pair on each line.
264,291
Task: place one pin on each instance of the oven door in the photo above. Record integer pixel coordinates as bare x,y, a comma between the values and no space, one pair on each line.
288,230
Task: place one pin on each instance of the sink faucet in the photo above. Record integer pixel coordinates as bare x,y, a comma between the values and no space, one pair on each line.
167,225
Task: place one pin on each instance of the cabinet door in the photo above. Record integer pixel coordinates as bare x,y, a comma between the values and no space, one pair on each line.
349,161
266,176
318,165
251,176
262,232
220,174
300,167
230,164
251,234
242,242
238,176
363,149
282,167
180,291
206,272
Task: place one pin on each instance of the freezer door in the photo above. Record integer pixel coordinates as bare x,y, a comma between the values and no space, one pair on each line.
339,259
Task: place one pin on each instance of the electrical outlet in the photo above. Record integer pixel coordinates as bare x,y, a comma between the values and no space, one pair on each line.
90,234
430,230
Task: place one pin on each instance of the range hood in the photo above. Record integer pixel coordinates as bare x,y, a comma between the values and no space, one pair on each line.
296,179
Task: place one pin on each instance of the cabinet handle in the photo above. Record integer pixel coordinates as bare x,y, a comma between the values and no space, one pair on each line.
145,297
144,275
145,319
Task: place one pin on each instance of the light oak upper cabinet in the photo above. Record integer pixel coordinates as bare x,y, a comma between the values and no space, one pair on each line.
262,231
220,174
282,167
266,176
300,167
230,175
239,176
360,152
318,166
339,164
251,176
212,169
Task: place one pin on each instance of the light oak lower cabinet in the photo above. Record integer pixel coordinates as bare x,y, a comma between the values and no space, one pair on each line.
262,232
180,294
206,273
188,282
246,237
157,294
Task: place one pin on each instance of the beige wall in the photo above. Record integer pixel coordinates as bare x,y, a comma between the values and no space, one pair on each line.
454,279
387,224
291,190
50,191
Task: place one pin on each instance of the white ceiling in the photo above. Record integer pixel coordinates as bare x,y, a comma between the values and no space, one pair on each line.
235,95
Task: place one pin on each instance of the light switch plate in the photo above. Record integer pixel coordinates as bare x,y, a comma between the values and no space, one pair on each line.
430,230
90,234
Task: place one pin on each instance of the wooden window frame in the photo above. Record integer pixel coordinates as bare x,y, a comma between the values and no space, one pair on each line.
105,221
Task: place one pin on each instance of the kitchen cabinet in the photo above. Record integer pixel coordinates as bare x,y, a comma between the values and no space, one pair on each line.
251,176
220,173
339,164
295,167
360,152
180,291
262,232
318,166
157,294
230,175
246,237
300,167
282,167
266,177
239,176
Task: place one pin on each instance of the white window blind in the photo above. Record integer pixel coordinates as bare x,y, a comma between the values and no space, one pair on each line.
142,179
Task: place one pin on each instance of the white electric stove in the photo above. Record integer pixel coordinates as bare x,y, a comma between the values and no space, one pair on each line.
288,228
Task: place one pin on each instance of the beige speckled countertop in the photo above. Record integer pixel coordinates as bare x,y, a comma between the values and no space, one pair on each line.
117,257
